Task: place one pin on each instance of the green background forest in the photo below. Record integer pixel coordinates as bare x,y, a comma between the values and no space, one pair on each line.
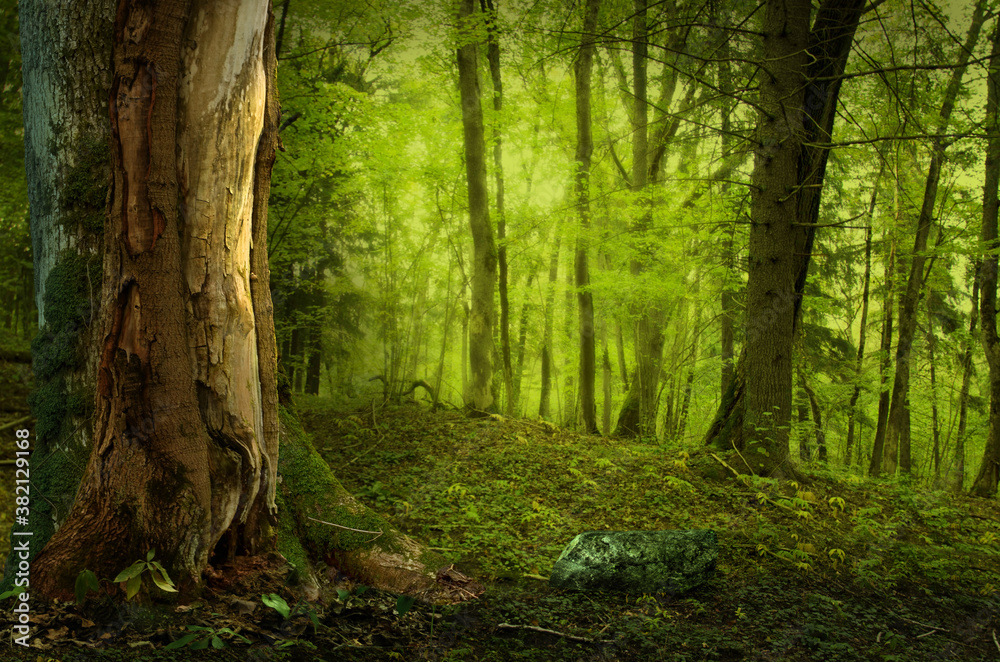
373,267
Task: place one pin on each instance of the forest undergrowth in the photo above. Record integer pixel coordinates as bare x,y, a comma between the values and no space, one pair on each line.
841,568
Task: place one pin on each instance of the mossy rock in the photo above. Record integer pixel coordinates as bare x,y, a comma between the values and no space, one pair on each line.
637,561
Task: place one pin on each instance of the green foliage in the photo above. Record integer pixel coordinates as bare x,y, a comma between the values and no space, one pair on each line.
132,576
277,603
85,187
201,637
86,581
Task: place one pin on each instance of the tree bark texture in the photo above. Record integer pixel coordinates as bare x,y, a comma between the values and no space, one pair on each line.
584,148
773,265
985,483
185,442
896,451
484,271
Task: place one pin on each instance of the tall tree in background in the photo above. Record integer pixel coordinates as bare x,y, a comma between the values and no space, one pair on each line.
799,92
584,147
773,262
638,413
491,9
896,448
484,260
985,484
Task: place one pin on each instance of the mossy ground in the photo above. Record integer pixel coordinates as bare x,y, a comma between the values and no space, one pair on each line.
841,569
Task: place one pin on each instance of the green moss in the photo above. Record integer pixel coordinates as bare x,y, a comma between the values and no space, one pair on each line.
71,283
48,404
58,460
308,477
85,187
289,544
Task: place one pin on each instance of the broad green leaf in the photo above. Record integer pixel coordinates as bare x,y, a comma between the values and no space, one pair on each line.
149,554
133,586
128,573
277,603
403,604
217,643
182,642
85,581
163,571
199,645
161,582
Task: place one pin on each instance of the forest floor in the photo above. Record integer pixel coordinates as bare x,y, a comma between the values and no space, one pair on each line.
843,568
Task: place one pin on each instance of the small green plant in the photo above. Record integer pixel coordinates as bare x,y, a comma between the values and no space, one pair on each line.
202,637
278,603
403,604
132,576
85,581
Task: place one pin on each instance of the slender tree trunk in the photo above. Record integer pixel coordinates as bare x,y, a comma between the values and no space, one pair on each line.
465,348
805,451
637,416
606,377
315,359
569,412
985,484
852,407
484,272
493,57
544,407
620,346
957,478
584,148
522,338
935,422
896,449
885,347
449,308
728,302
817,416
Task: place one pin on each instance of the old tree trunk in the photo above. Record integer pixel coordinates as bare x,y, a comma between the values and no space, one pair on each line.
185,453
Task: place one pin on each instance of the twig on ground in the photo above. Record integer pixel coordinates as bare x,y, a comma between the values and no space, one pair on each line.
535,628
923,625
340,526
